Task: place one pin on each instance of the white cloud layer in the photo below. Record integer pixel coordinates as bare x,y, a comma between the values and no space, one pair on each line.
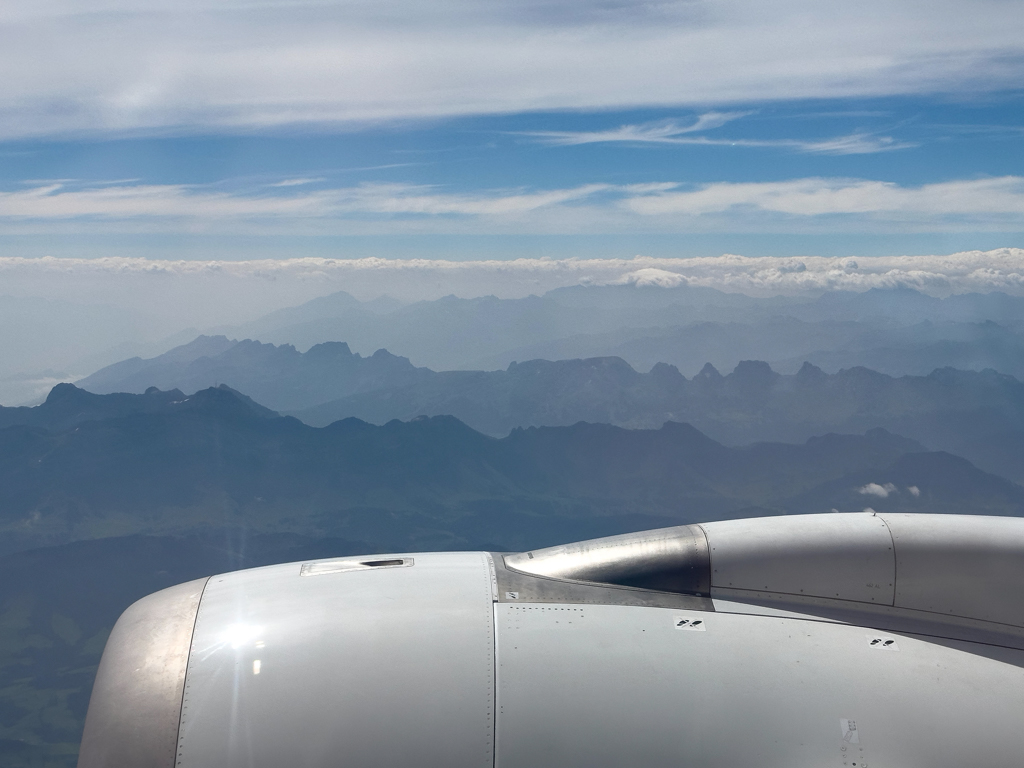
268,283
115,65
796,205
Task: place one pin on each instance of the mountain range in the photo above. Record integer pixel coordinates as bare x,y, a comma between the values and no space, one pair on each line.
977,414
279,375
897,331
167,463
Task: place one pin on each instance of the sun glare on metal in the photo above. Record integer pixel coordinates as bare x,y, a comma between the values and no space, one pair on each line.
238,635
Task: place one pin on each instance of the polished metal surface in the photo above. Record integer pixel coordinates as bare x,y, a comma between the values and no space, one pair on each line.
517,587
388,666
957,566
136,699
668,560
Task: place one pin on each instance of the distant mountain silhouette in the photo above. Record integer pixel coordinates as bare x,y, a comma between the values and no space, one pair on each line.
896,331
280,376
68,406
685,326
967,413
787,342
216,460
958,411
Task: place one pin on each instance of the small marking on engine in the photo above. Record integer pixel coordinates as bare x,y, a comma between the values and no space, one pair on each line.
883,643
690,622
849,728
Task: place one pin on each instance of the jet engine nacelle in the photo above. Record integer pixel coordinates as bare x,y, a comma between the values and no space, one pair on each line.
822,640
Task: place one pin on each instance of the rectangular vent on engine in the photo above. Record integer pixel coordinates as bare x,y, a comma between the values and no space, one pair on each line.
322,567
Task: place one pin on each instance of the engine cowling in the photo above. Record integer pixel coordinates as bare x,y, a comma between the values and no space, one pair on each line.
847,640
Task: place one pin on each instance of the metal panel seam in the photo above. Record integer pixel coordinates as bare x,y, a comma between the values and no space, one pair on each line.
489,557
494,738
184,681
711,562
895,560
707,549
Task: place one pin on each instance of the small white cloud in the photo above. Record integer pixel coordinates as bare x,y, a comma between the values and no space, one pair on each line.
914,490
874,489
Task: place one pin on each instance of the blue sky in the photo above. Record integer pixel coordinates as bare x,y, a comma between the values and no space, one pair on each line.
495,130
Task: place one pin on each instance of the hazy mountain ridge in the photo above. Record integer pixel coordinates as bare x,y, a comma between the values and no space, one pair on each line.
958,411
686,326
896,331
280,376
787,342
969,413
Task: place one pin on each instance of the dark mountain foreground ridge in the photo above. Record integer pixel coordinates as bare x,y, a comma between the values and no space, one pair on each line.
163,463
105,498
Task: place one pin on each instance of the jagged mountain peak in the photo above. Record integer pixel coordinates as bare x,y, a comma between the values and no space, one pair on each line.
708,374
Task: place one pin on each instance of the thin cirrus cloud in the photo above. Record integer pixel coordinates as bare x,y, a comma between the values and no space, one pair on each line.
117,66
58,201
661,132
997,202
995,197
671,132
296,182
